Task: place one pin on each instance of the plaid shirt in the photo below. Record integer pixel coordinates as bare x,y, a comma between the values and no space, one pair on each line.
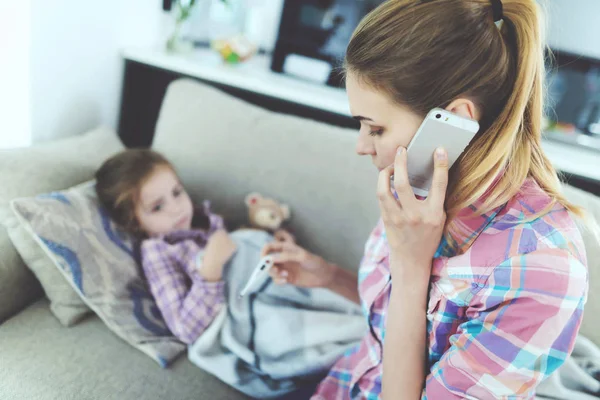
503,310
171,264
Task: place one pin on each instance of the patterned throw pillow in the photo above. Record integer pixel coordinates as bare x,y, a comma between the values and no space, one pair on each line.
98,261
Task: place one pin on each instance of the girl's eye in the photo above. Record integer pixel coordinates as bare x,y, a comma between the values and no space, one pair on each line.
177,192
376,132
157,208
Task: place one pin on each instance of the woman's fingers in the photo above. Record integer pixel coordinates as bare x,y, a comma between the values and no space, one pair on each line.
267,249
274,272
284,254
384,191
279,275
406,196
287,257
278,247
387,202
439,185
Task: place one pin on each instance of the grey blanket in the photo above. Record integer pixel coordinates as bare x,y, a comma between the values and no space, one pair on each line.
578,378
278,339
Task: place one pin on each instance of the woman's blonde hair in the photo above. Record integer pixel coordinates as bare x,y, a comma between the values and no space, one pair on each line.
425,54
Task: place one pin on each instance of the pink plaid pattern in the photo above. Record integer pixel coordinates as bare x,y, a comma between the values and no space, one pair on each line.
187,302
503,310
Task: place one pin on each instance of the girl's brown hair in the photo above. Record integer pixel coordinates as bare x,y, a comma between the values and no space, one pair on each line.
425,54
119,181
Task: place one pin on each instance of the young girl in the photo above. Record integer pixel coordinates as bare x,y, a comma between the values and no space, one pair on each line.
266,344
477,291
182,249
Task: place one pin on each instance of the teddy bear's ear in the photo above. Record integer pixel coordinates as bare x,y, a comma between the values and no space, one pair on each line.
285,211
252,199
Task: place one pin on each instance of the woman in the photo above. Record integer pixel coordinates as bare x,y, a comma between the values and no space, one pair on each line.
499,307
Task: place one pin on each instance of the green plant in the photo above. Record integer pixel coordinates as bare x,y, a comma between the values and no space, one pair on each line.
184,11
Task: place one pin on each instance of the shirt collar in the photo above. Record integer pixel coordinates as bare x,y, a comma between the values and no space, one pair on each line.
467,225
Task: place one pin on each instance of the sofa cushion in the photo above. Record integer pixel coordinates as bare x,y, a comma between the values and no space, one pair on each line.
36,170
98,260
225,148
88,362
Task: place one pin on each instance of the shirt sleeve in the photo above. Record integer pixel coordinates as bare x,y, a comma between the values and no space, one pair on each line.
521,327
216,221
187,303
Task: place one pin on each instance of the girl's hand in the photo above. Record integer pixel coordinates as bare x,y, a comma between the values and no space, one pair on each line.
296,266
413,227
217,252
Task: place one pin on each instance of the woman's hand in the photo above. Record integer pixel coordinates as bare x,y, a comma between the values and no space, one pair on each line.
217,252
413,227
297,266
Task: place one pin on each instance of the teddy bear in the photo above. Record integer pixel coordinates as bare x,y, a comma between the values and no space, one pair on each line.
268,214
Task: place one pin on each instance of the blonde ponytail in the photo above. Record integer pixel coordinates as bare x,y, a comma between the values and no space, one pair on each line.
512,145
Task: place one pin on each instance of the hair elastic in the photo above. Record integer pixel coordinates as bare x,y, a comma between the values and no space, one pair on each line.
497,10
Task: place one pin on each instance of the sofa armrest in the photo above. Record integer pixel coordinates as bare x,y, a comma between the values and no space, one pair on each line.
34,170
591,237
18,285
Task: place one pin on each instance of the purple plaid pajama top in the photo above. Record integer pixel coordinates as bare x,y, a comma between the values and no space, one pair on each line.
171,264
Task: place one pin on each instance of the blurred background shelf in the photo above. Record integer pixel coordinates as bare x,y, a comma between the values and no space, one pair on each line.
577,140
148,71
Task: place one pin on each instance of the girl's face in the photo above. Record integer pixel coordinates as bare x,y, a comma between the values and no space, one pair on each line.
384,125
164,206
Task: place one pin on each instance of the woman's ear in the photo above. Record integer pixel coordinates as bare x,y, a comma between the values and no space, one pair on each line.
465,108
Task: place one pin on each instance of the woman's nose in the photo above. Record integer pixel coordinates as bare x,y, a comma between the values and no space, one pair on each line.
364,145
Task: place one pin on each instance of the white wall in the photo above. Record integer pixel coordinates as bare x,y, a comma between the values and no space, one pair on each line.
574,26
76,69
60,70
15,115
263,22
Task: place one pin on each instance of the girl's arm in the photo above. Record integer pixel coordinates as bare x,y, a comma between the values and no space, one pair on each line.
187,307
219,249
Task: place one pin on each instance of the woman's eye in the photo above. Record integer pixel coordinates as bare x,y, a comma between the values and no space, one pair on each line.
177,192
376,132
157,208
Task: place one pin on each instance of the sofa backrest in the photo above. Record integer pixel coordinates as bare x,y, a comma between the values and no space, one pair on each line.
225,148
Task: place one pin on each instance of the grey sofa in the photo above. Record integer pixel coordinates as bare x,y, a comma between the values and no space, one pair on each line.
223,149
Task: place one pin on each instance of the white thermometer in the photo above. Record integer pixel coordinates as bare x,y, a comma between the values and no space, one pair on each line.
260,273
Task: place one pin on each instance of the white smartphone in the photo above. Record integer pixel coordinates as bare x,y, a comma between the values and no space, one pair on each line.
440,128
260,273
